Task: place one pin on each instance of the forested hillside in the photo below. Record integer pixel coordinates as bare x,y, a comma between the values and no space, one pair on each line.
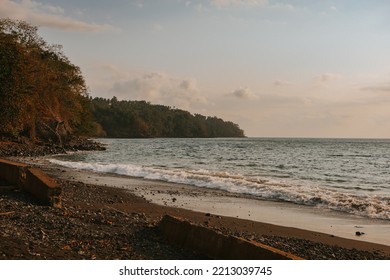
43,95
128,119
44,99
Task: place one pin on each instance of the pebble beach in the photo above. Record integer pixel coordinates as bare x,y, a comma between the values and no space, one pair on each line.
103,222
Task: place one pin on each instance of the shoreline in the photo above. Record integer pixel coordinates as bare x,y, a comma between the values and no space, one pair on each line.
300,241
219,202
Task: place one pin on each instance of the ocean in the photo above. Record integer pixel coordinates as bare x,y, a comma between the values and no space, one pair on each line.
344,175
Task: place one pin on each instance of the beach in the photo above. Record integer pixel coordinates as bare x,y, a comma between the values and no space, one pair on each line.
185,130
107,216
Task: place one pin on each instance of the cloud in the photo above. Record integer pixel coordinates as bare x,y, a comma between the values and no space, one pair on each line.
229,3
382,88
139,4
280,83
159,88
47,15
157,27
283,6
277,100
334,8
243,93
328,77
189,85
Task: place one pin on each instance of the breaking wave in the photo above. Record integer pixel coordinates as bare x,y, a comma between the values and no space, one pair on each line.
373,206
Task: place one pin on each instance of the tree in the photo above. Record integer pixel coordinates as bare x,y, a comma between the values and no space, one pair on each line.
43,96
139,119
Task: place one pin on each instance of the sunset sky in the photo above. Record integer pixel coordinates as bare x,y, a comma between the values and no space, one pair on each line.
300,68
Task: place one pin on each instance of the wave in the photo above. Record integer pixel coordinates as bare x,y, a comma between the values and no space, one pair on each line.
362,205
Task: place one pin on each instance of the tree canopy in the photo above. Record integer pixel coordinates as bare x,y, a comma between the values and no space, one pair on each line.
128,119
43,96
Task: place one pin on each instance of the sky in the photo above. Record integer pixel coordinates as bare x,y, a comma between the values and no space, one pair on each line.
300,68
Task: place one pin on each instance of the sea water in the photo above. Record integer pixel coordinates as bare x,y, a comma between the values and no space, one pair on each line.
344,175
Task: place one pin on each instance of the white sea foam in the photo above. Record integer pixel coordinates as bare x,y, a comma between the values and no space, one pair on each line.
363,205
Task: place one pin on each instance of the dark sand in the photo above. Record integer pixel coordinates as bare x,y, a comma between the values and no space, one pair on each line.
101,222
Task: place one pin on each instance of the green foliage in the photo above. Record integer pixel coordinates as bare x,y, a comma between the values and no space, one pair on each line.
43,96
139,119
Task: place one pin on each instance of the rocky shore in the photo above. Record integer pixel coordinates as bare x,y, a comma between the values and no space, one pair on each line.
98,222
87,227
26,148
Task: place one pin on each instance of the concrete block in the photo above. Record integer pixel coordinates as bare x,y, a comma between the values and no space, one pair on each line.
43,187
13,172
216,245
32,180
